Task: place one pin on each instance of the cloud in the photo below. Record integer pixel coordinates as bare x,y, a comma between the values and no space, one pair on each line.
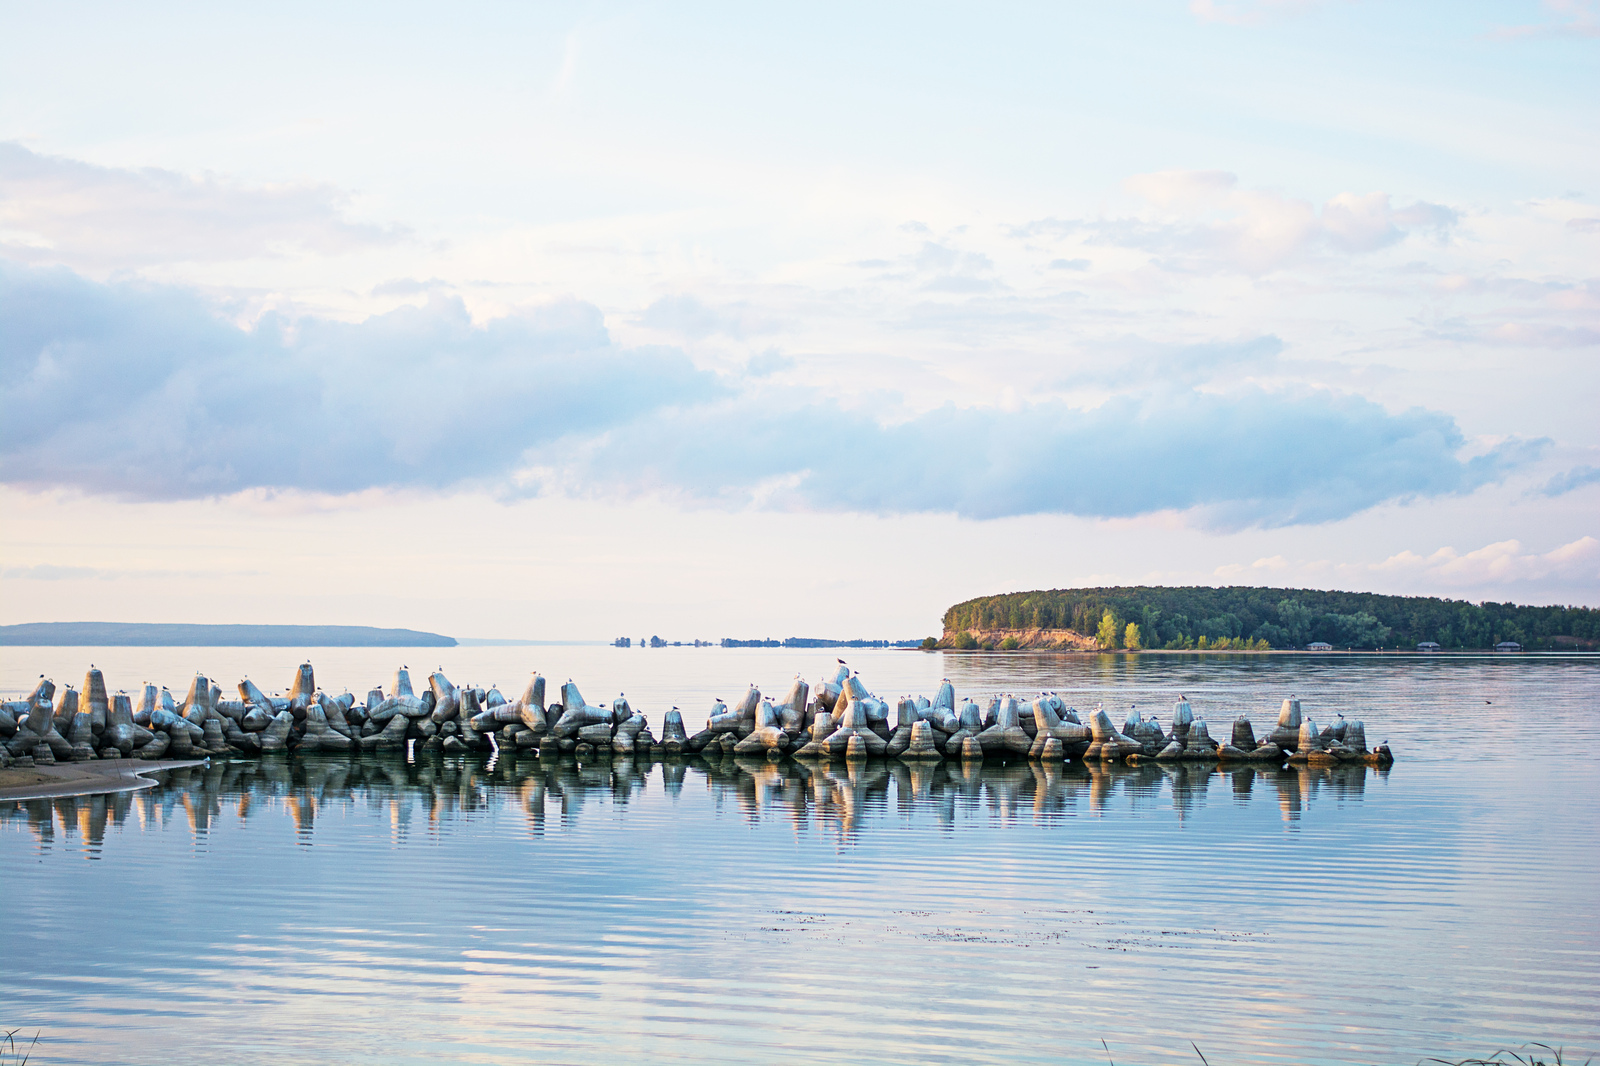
1133,360
1202,220
1500,563
55,210
1069,264
408,287
688,317
140,392
768,362
1233,571
1573,479
1245,12
1572,18
1253,458
1517,334
51,572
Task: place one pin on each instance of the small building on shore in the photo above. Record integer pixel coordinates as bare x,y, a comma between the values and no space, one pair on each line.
1319,645
1508,645
1428,645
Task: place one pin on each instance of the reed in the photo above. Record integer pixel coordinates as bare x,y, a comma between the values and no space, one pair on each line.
10,1054
1545,1055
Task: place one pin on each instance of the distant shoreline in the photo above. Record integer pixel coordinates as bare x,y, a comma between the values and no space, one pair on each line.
1453,653
184,635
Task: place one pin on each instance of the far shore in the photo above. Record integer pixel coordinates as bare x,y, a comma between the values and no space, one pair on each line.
1411,652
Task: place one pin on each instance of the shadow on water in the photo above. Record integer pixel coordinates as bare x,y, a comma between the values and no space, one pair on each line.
848,798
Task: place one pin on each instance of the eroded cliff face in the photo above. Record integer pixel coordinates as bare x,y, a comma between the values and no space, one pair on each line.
1058,639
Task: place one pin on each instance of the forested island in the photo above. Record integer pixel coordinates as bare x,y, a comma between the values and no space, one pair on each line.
179,635
1247,618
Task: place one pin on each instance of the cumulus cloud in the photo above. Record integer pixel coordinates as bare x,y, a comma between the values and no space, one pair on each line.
142,392
55,210
1203,219
1242,459
1500,563
1571,480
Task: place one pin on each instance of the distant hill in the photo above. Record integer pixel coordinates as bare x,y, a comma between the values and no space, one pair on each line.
1181,617
153,635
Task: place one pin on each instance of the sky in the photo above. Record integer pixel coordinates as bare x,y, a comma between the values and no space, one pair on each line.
576,320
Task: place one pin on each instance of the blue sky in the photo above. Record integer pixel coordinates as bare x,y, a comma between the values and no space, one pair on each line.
555,320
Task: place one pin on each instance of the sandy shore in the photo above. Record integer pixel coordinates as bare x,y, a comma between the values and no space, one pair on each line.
83,778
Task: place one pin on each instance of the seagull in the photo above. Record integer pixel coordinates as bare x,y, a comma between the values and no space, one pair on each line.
841,662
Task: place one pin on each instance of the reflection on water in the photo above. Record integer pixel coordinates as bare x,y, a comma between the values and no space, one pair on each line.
371,910
846,798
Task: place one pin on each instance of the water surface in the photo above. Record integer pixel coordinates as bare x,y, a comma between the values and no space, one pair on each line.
317,910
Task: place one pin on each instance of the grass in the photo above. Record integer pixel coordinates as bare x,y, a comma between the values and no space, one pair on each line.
1499,1058
9,1055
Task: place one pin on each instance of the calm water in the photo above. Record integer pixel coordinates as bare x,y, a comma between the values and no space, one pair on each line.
372,911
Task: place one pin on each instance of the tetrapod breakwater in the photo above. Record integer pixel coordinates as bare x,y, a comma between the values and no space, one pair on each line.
837,719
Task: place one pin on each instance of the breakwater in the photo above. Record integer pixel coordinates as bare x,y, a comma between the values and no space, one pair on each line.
838,719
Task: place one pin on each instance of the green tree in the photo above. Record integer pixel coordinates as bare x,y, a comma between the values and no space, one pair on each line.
1130,637
1009,644
929,643
1109,631
965,641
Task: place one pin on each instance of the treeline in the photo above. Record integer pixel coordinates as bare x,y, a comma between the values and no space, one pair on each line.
1198,616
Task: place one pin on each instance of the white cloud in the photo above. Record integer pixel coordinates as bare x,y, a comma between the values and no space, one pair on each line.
142,392
1206,219
1245,12
55,210
1499,564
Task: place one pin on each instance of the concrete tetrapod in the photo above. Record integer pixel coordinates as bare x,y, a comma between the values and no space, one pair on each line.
768,734
1182,718
1006,733
1287,733
1047,715
792,710
822,726
920,746
673,733
1108,744
1198,744
95,701
852,722
446,698
82,736
906,716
